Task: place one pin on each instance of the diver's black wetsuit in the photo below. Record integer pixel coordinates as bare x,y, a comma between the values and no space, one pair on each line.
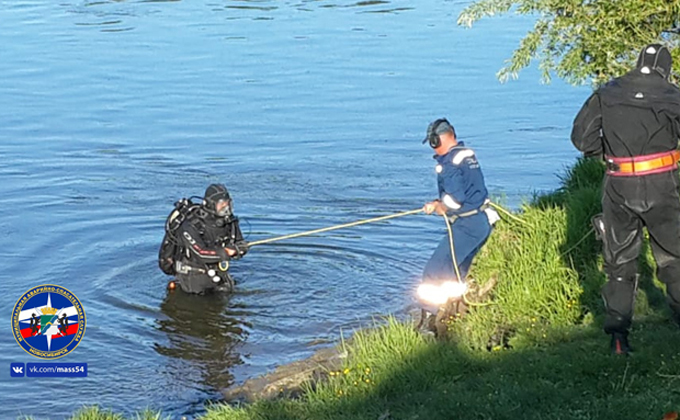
631,116
204,237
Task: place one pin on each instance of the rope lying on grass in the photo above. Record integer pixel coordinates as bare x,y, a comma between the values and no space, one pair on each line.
507,213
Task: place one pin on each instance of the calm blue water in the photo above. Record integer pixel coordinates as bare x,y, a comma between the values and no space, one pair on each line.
311,112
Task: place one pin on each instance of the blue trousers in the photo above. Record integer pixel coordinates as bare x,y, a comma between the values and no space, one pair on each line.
469,235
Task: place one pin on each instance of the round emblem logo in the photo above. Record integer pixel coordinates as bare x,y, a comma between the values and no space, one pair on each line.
48,321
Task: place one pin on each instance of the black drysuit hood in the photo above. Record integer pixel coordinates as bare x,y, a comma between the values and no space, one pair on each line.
655,57
214,194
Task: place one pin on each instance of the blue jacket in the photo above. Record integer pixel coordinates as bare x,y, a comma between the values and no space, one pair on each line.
460,180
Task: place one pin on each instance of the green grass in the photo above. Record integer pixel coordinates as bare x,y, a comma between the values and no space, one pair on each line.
547,269
569,375
96,413
536,351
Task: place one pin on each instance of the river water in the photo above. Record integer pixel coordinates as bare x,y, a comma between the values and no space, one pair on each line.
311,112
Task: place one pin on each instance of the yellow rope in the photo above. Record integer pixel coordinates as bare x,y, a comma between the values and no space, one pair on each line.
455,264
327,229
573,247
507,213
361,222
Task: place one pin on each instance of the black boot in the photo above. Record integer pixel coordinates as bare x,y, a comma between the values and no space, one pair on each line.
619,344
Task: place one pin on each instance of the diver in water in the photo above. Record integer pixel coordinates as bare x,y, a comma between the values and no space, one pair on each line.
209,238
634,123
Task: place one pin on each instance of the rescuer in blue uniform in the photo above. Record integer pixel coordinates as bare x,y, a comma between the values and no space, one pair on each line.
463,198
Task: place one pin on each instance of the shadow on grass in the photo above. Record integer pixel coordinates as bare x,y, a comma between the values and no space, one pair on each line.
575,378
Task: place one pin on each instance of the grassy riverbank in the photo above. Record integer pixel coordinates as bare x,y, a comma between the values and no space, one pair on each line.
536,351
396,374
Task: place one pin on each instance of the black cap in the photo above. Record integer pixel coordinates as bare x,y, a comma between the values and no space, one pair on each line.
655,57
437,127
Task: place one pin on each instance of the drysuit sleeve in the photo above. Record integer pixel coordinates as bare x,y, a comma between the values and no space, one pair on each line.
586,134
193,241
237,243
238,236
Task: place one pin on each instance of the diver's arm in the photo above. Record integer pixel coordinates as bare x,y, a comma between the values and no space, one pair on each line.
194,242
240,244
238,236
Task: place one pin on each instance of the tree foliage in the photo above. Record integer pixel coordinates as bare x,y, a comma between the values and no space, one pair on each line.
583,40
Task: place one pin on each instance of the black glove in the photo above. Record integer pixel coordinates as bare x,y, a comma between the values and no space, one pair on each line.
241,248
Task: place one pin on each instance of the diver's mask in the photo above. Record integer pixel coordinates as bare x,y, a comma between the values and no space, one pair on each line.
223,208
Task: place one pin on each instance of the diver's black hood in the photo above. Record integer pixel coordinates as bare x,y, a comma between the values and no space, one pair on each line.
655,57
213,194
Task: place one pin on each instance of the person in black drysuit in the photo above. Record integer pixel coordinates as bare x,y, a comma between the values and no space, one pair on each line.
209,237
634,121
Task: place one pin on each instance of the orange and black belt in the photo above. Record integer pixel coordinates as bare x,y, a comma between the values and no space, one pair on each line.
642,165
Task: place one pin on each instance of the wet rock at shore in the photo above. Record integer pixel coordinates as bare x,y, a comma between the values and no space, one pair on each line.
287,381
